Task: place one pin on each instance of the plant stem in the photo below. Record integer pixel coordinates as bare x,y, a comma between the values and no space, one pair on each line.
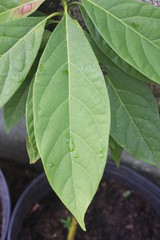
64,2
55,14
72,230
74,3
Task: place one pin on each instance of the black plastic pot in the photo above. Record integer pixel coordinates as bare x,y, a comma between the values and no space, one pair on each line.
6,207
40,188
13,145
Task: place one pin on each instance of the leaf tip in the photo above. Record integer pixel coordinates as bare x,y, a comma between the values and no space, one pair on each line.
82,225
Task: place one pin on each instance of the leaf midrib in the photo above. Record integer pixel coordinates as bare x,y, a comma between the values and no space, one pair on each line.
127,26
69,101
121,102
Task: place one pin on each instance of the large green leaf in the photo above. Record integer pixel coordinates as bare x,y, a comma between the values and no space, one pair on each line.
31,141
108,51
120,84
131,28
10,10
135,121
20,42
72,117
14,109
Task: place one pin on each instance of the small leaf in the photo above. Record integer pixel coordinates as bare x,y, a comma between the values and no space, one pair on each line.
127,193
104,47
32,153
115,150
31,141
20,42
10,10
135,121
72,117
14,109
131,28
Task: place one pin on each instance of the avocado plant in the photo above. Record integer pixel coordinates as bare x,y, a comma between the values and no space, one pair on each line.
82,89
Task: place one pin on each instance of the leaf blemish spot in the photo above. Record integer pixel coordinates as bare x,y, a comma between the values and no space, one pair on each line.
27,8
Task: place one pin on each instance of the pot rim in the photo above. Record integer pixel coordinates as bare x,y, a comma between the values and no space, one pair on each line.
6,205
150,191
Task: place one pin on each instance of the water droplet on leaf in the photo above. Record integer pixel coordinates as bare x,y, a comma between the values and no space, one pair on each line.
76,155
39,109
70,142
21,81
101,155
50,164
41,68
65,73
71,145
101,149
101,146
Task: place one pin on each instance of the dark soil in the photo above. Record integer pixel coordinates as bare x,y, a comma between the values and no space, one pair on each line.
1,217
111,216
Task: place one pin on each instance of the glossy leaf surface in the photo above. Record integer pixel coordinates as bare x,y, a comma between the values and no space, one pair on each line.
135,121
72,117
31,141
108,51
20,42
10,10
131,28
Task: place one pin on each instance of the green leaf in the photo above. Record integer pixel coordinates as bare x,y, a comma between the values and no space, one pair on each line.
10,10
115,150
14,109
135,121
31,141
104,61
20,42
72,117
131,28
104,47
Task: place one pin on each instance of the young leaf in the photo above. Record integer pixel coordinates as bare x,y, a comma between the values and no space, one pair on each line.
131,28
20,42
135,121
71,116
108,51
10,10
31,141
14,109
115,150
